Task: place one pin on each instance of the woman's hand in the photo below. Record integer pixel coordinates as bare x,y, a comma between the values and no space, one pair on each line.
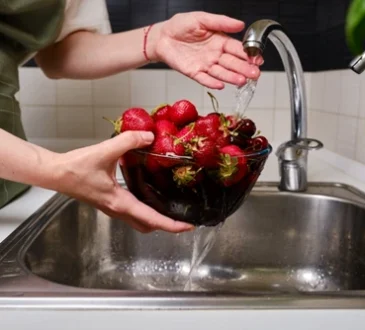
88,174
196,45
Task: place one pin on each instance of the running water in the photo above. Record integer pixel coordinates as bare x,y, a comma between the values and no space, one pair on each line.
244,96
204,239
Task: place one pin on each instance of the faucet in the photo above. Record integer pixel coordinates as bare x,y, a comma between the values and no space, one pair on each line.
358,63
292,154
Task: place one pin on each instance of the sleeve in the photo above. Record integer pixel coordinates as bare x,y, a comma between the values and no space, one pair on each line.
89,15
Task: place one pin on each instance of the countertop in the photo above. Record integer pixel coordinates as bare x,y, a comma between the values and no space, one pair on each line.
323,166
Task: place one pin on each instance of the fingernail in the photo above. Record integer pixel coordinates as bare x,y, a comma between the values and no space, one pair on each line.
241,81
255,71
147,136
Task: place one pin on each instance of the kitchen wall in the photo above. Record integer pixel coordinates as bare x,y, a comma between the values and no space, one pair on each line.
64,114
73,110
337,115
307,22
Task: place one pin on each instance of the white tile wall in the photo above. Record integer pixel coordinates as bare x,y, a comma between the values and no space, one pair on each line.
323,126
264,97
332,91
73,92
360,146
148,88
362,97
346,136
40,121
316,100
36,88
337,105
350,93
181,87
74,109
282,100
282,125
76,122
112,91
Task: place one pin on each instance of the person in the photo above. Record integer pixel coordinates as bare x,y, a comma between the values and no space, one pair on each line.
73,39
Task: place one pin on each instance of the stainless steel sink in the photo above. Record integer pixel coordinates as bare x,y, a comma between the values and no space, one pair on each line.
280,250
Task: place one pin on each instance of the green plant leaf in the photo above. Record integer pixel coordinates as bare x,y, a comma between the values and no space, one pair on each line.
355,26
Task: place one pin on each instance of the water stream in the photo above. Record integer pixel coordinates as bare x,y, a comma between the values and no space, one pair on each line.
205,237
244,96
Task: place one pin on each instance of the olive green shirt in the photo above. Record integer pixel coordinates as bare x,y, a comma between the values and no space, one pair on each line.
26,26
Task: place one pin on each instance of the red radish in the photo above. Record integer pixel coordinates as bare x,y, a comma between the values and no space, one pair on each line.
133,119
233,166
183,112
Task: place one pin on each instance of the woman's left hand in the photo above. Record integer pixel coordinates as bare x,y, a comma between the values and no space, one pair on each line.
196,44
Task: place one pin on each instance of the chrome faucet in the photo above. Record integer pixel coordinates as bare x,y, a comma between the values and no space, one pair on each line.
292,155
358,64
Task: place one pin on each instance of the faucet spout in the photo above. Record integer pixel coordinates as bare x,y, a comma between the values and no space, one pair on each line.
254,43
292,154
358,64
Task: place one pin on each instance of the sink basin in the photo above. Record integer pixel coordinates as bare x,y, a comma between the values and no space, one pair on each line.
279,249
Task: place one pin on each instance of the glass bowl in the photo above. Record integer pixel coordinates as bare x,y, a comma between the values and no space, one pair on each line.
206,198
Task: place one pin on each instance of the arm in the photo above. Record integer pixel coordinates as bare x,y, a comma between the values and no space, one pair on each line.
88,55
87,174
195,44
30,164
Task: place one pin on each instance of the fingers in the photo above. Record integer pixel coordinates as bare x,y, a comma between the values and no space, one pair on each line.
235,48
137,226
127,141
132,210
219,72
208,81
220,23
234,64
154,220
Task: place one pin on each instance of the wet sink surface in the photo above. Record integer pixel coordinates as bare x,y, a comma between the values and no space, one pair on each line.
277,243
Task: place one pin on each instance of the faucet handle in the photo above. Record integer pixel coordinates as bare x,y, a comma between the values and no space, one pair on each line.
292,163
293,149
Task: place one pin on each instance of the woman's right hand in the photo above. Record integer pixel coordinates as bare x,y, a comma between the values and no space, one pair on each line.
88,174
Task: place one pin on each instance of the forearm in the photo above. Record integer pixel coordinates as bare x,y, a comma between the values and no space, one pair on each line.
24,162
87,55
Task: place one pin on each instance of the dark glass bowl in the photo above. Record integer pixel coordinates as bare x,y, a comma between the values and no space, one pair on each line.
207,203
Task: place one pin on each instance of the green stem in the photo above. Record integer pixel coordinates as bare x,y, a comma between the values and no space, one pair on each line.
214,101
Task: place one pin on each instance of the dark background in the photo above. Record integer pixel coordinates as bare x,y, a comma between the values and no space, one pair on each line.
316,27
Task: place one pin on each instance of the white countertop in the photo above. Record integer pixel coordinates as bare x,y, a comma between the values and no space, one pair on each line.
323,166
184,320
